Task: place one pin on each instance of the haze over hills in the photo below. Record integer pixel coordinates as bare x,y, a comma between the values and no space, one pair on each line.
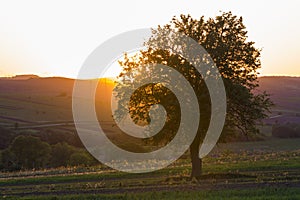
45,99
20,77
33,98
285,93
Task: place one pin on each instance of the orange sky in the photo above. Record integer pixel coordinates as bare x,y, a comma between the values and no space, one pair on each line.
53,38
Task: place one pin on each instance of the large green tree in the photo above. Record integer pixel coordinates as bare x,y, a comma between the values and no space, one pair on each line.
237,59
30,152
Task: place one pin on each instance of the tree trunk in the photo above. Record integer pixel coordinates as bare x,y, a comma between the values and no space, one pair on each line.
196,161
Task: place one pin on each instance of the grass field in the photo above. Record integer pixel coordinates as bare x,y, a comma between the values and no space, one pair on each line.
253,170
248,170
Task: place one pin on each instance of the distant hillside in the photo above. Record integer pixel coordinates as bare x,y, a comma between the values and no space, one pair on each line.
43,107
46,99
20,77
33,98
285,93
36,85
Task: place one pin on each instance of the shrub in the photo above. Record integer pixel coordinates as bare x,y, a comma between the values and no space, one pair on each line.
30,152
61,153
9,161
286,131
82,158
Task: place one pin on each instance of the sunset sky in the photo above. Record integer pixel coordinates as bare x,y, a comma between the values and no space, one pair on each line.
53,38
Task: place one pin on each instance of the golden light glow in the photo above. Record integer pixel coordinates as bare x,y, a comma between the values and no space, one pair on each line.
35,40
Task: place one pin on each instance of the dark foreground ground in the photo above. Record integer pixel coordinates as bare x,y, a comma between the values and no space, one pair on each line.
253,170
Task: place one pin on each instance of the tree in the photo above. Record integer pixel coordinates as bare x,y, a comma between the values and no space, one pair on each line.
30,152
225,39
8,161
82,158
61,153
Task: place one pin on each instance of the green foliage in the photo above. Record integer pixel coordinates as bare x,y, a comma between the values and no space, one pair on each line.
30,152
254,170
81,158
9,161
54,137
237,59
61,153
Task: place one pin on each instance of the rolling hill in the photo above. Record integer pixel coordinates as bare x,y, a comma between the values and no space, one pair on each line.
34,103
31,98
285,93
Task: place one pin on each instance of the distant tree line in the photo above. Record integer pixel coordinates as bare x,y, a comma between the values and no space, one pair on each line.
48,135
288,130
30,152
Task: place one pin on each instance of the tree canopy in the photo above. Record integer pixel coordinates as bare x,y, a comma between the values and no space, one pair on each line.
30,152
237,59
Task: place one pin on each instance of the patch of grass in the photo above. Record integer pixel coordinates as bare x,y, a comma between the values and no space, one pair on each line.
263,194
229,173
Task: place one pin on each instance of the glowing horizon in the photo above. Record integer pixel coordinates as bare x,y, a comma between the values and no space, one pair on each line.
54,38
